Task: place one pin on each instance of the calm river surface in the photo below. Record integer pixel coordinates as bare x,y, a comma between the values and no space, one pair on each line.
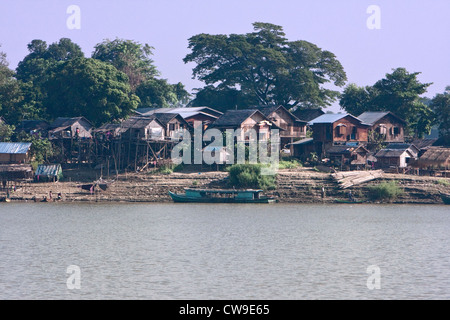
198,251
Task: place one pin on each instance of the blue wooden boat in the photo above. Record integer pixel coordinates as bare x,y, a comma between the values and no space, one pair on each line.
221,196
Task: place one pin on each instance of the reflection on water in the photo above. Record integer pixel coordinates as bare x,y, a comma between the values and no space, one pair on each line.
178,251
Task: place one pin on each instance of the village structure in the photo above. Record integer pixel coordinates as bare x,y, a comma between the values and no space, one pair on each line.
144,141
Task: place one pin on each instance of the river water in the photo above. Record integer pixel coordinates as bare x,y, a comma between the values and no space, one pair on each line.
201,251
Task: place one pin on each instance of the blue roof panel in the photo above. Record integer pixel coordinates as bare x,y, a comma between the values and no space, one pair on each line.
14,147
328,118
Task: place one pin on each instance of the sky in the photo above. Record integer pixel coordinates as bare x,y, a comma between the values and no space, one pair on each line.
368,42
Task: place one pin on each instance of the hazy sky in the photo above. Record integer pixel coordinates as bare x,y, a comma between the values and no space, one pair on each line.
412,34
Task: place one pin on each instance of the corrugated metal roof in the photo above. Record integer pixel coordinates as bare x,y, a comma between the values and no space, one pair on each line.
234,117
328,118
14,147
371,117
389,153
48,170
184,112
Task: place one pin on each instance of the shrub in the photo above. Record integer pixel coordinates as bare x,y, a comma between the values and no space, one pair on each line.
291,164
385,191
443,182
249,176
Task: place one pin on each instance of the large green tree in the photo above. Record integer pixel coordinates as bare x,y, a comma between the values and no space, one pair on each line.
265,67
90,88
35,69
134,59
130,57
441,106
399,92
10,93
158,93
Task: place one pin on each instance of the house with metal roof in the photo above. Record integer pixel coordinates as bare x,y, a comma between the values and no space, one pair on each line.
204,115
293,127
70,128
398,155
15,152
248,121
386,125
156,126
337,129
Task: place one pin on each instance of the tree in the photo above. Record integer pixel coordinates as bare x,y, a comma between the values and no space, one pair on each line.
6,132
222,99
264,66
158,93
35,69
90,88
10,94
399,92
441,106
130,57
356,100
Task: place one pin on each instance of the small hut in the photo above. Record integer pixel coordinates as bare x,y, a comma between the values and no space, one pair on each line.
436,158
48,172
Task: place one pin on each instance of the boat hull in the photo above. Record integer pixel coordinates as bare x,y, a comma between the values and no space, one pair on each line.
347,201
186,199
445,198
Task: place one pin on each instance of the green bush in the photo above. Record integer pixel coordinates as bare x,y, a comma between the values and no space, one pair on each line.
443,182
289,164
249,176
385,191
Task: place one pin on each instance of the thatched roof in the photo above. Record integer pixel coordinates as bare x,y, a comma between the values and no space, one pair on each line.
435,156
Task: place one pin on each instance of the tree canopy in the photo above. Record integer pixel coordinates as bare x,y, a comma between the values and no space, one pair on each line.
441,106
265,67
130,57
90,88
399,92
134,60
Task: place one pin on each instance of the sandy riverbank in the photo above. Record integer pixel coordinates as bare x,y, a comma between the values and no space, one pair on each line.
303,185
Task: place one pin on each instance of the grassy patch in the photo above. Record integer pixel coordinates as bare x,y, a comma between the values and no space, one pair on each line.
443,182
385,191
289,164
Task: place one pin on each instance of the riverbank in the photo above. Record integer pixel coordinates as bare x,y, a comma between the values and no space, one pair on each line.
302,185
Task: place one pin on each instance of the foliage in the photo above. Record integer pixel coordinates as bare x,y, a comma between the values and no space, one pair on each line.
128,56
264,67
441,106
158,93
10,94
41,148
90,88
377,141
6,132
32,73
289,164
249,176
443,182
222,99
399,92
385,191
